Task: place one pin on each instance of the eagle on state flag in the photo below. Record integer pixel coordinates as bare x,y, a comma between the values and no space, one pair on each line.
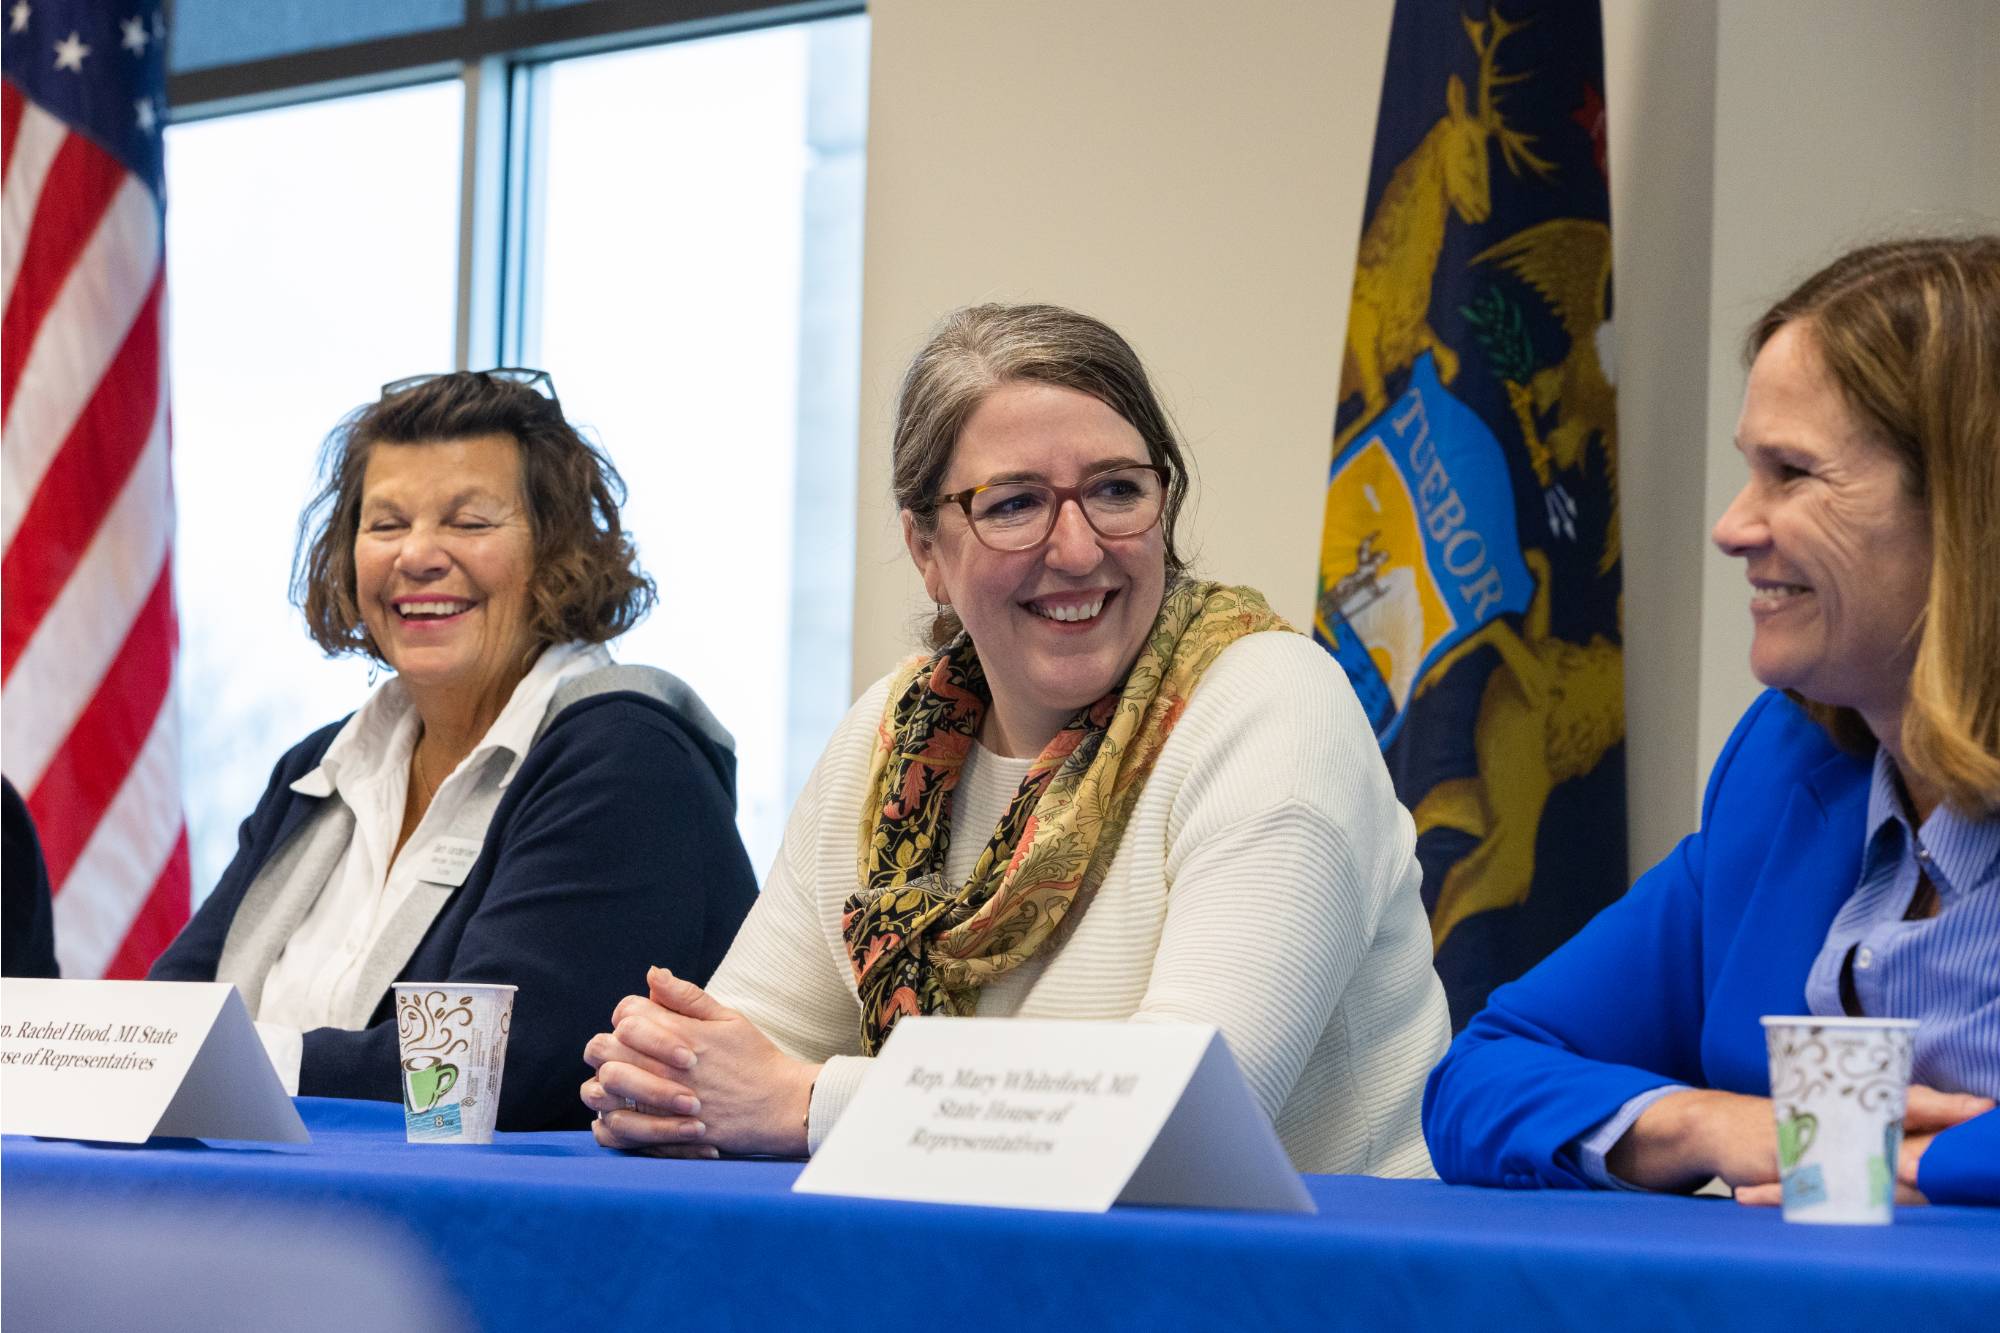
1469,579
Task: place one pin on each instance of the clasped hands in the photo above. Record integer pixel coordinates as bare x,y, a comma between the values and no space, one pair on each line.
682,1075
1694,1135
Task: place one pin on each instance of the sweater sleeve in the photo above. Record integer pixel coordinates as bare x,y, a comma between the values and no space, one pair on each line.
619,852
1615,1012
780,973
783,972
1287,853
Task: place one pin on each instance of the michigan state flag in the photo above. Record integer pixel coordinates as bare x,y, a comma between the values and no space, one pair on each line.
1468,571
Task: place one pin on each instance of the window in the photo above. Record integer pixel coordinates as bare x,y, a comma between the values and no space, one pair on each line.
695,300
306,267
678,243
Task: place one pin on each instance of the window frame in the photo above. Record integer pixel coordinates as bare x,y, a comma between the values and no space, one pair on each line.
505,68
499,58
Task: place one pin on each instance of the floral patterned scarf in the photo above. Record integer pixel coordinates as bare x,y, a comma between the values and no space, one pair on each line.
920,946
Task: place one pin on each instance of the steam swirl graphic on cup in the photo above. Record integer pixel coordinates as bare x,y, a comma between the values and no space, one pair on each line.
432,1027
1871,1066
1799,1067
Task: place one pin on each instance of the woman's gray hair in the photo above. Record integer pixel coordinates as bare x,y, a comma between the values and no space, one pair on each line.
976,349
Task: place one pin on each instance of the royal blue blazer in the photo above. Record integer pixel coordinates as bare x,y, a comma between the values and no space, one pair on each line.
1666,985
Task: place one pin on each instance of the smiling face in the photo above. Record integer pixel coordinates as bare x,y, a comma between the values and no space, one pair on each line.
442,559
1057,627
1837,550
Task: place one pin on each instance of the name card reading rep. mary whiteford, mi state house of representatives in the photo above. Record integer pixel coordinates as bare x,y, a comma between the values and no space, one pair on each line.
125,1061
1072,1116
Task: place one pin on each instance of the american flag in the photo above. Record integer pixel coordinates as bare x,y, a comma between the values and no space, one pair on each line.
88,729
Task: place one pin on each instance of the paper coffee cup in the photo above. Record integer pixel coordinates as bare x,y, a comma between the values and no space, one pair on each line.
452,1044
1837,1090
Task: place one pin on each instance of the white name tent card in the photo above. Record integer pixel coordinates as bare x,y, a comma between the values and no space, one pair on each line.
125,1061
1071,1116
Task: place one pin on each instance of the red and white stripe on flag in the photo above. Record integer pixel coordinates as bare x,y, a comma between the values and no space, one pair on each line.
88,639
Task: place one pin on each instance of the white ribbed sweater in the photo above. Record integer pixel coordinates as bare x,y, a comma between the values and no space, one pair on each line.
1266,883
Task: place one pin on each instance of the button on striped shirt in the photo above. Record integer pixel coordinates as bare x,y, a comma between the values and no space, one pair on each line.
1942,970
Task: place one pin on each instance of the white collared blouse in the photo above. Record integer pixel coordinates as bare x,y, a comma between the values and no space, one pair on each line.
367,766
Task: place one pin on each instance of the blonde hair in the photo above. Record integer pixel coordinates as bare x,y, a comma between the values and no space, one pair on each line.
1910,331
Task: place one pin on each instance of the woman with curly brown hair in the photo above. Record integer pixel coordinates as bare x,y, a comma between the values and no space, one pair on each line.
510,806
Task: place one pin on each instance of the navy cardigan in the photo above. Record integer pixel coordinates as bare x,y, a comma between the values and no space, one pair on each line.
1666,984
613,848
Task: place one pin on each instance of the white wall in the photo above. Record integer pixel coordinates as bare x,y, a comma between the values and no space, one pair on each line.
1659,63
1191,172
1194,173
1840,121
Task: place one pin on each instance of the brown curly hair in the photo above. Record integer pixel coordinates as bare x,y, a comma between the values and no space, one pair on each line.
586,583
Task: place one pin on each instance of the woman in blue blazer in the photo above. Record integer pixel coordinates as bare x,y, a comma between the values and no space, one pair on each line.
1848,859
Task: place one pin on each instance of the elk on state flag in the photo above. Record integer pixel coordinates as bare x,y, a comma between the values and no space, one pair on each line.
1469,564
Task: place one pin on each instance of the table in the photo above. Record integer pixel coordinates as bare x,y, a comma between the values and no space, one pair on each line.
548,1230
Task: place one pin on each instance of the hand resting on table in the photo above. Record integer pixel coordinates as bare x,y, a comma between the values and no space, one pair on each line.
683,1075
1695,1135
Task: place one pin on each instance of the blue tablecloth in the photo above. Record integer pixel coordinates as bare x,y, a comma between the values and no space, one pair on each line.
547,1230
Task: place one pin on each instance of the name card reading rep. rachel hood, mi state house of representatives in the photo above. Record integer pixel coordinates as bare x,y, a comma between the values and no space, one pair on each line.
125,1061
1072,1116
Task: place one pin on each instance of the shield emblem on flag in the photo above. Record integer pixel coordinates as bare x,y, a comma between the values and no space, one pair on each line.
1420,547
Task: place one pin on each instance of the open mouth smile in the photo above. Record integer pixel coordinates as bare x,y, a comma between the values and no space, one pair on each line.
432,609
1771,596
1071,609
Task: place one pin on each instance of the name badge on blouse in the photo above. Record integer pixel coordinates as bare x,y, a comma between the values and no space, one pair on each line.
450,861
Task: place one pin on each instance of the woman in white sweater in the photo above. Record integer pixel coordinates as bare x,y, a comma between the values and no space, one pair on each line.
1109,792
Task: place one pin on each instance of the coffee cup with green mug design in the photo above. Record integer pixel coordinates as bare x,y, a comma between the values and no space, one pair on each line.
452,1049
1838,1087
1795,1135
425,1079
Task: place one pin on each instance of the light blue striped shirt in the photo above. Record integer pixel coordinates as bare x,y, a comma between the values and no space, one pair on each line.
1944,970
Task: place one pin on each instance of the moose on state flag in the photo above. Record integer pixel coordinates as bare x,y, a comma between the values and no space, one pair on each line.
1469,578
